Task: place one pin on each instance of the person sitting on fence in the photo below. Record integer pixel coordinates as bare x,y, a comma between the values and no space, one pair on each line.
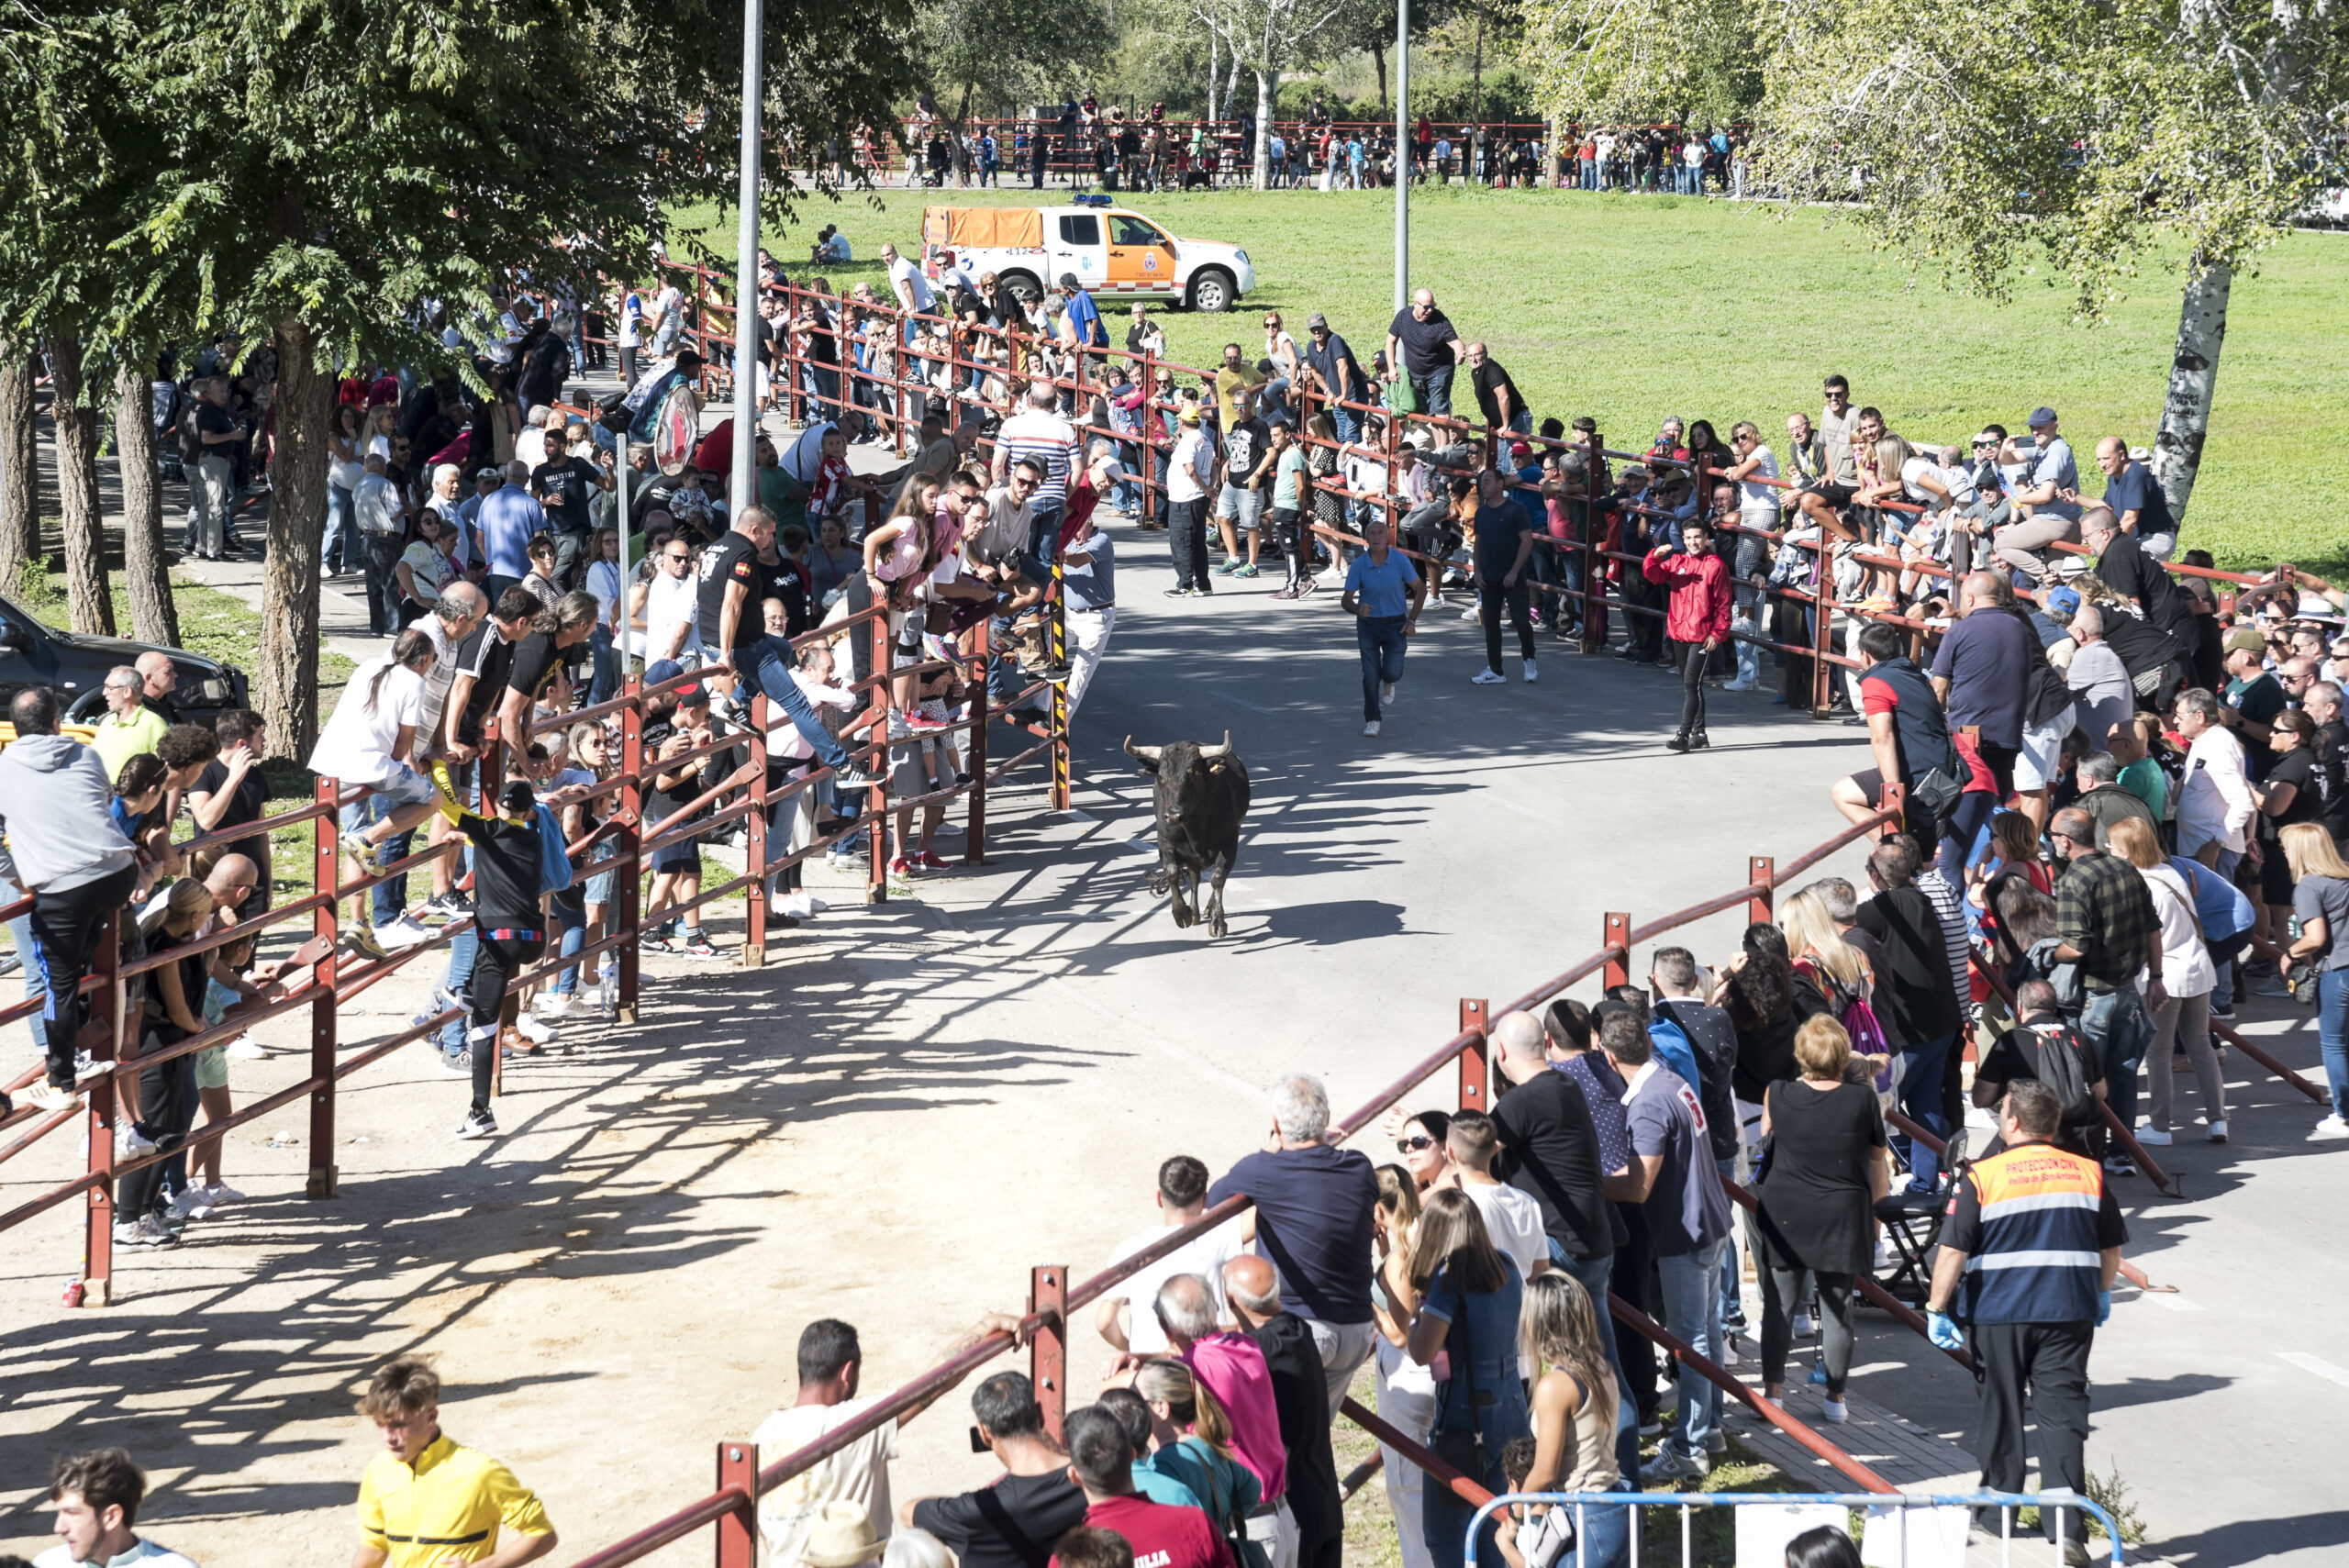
97,1495
1034,1500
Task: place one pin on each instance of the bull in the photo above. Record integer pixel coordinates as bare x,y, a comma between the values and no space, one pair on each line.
1202,797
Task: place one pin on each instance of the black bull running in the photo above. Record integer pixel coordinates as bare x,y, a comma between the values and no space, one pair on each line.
1202,797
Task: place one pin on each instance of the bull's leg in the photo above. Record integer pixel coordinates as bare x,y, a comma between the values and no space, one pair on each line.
1214,897
1164,877
1186,881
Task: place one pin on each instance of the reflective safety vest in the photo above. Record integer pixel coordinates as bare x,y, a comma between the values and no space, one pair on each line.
2037,1260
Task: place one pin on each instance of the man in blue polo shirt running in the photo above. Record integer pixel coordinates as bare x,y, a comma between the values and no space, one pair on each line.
1383,594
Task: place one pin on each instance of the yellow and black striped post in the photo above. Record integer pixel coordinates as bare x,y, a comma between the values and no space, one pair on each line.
1056,651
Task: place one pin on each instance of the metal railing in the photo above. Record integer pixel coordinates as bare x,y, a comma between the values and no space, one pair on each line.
116,1028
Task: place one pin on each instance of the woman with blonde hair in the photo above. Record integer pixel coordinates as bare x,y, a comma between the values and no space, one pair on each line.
2321,898
1827,1164
1406,1389
1820,954
1193,1432
1573,1412
2183,1020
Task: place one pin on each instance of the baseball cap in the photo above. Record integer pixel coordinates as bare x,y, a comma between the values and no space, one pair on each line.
1189,413
661,670
2043,415
492,472
517,796
1316,319
2247,640
1520,449
2064,600
1068,280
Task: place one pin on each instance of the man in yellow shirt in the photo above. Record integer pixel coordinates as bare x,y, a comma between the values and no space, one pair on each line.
129,726
426,1500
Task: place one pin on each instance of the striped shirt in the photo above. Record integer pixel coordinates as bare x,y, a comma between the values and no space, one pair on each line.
2032,1221
1951,907
1051,440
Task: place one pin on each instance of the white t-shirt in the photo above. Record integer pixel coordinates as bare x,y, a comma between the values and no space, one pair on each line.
357,744
604,582
784,741
858,1473
146,1553
668,305
1204,1257
671,600
631,320
1193,452
903,275
1753,496
531,446
1514,1219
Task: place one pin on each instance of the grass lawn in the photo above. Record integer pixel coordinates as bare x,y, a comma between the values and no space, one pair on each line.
1632,307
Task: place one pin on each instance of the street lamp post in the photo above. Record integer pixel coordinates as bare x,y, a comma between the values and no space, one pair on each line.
742,479
1402,154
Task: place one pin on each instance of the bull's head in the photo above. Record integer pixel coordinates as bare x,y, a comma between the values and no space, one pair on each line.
1185,771
1146,756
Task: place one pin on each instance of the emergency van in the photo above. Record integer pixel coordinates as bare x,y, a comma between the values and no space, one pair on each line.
1110,249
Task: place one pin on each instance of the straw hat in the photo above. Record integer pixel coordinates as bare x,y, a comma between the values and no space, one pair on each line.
842,1538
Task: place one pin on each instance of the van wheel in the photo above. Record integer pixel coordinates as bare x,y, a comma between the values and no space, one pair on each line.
1211,291
1023,287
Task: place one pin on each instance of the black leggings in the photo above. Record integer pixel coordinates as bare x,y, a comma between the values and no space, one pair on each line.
66,929
167,1105
1689,658
1491,595
1781,1295
494,966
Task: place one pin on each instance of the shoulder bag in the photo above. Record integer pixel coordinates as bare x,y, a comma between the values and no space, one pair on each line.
1229,1521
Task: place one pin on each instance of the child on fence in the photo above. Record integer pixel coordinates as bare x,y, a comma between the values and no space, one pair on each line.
509,879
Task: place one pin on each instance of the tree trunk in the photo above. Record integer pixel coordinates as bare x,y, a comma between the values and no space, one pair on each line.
89,599
152,615
2193,379
1378,59
287,699
1264,179
1214,66
20,551
1477,113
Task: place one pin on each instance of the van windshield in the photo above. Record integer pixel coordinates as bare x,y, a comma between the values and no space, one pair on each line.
1127,229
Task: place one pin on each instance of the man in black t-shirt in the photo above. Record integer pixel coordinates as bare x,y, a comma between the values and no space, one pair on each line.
1336,374
734,581
563,486
1013,1521
485,661
230,793
508,881
2020,1053
2122,565
1422,344
539,670
1497,395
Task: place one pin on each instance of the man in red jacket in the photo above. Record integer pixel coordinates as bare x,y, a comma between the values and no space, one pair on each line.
1697,620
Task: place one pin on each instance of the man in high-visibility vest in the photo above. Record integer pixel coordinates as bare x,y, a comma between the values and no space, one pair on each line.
2028,1252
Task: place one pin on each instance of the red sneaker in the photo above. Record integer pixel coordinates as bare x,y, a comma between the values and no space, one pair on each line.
900,866
928,861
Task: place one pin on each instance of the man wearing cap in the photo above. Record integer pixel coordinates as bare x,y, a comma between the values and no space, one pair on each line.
1335,375
1083,316
2047,496
2252,696
1192,472
1497,395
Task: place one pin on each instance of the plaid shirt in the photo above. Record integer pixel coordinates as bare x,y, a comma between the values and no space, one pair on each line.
2104,911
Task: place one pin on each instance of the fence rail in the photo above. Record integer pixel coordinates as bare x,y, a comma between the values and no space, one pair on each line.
115,1033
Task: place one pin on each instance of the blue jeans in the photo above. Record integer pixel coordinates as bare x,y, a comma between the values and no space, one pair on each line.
1381,639
2331,1031
1919,1072
340,544
1043,543
1692,1304
1434,390
20,931
1349,424
769,661
2116,1024
607,682
1732,1301
388,900
462,950
1596,1275
571,917
1605,1535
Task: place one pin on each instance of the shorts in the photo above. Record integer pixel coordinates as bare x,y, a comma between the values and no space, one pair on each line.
212,1067
2041,758
683,855
405,786
1245,507
602,883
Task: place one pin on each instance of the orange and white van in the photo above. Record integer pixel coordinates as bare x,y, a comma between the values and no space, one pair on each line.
1110,249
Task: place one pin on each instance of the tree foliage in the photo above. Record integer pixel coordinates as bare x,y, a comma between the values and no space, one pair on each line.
1009,53
1992,142
1643,61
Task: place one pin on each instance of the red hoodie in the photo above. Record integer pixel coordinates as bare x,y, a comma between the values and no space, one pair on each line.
1699,587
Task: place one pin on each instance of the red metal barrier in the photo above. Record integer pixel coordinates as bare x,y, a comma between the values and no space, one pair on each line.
113,1035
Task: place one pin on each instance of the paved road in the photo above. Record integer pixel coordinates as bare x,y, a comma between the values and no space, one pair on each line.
919,1101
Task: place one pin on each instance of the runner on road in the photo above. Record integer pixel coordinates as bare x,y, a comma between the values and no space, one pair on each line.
1383,594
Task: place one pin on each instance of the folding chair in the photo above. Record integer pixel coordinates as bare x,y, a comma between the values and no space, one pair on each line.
1913,1222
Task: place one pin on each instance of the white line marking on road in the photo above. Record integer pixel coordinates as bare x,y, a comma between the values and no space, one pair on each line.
2174,1303
2317,1364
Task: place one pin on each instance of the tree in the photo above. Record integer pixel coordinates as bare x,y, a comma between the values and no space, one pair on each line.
311,207
1640,61
1992,143
21,558
999,51
1270,35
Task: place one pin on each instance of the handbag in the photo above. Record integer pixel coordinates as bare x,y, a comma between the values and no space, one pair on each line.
1245,1552
1934,791
1464,1452
1402,397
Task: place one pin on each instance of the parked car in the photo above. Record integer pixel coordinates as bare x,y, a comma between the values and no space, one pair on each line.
1111,251
33,654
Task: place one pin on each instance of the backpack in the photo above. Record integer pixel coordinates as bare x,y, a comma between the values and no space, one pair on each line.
2058,1064
190,443
554,866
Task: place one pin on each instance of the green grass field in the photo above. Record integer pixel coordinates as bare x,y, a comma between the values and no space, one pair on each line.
1632,307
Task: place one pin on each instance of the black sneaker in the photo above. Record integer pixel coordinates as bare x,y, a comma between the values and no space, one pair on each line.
856,775
478,1124
1677,743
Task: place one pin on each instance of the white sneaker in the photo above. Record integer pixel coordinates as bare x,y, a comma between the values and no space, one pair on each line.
1741,686
2153,1138
552,1004
2218,1133
536,1030
190,1203
2329,1128
395,936
1471,612
245,1048
477,1124
48,1097
1671,1464
1386,693
1835,1412
1803,1326
130,1142
219,1193
1370,727
1531,672
949,830
1488,678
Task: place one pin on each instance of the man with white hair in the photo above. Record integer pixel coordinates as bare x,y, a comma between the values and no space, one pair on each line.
1232,1367
530,445
1314,1202
508,519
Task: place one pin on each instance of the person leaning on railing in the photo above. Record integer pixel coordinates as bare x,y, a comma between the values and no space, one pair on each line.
998,1525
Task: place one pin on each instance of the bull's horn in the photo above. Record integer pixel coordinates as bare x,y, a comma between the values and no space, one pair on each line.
1148,753
1217,753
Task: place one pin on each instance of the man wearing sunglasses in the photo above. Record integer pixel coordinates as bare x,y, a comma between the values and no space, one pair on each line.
1336,378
